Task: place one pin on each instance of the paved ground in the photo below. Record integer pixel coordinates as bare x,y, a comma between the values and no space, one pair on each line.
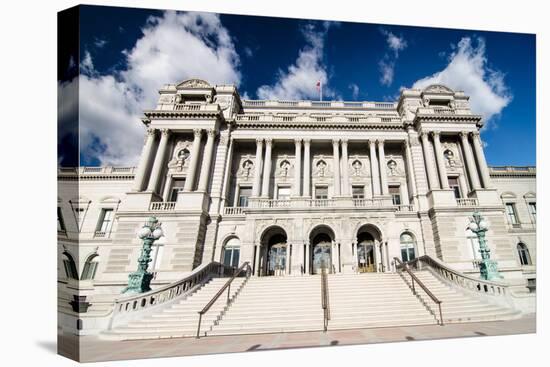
94,350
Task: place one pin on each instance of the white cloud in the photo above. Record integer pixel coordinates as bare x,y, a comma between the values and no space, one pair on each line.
299,81
99,43
468,70
174,47
395,43
354,90
248,52
387,64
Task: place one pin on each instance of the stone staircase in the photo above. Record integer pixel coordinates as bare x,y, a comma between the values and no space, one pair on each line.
178,320
274,305
293,303
374,300
461,307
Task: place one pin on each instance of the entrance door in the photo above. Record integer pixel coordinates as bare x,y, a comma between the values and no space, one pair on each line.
322,257
365,257
276,263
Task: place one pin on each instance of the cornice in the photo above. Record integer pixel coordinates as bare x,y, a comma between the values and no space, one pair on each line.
314,125
170,115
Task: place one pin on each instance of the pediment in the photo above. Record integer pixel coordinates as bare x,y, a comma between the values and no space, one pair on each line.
194,84
437,88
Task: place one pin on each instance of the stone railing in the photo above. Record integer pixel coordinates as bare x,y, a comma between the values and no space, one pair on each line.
96,170
322,104
136,306
404,208
513,171
272,118
459,279
100,234
270,203
467,202
158,206
233,210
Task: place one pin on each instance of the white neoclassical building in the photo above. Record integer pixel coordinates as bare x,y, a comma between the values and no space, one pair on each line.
290,186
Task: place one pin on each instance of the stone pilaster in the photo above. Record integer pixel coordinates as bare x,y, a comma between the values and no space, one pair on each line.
345,168
207,161
383,171
470,162
267,168
140,178
432,180
410,170
374,169
195,150
158,164
482,163
336,164
444,181
258,168
307,167
297,166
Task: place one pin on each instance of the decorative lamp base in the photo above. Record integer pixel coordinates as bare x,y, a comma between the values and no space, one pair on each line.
138,282
488,269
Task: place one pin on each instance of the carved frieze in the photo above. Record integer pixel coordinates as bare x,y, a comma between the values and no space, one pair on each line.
180,157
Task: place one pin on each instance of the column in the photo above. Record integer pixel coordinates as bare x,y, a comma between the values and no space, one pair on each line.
297,166
227,173
388,268
308,256
159,161
258,167
257,260
410,169
307,167
355,256
336,164
472,172
383,171
207,160
482,163
192,172
139,181
428,162
374,169
440,161
267,168
345,168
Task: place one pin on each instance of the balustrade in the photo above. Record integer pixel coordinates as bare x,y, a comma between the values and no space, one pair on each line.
467,202
162,206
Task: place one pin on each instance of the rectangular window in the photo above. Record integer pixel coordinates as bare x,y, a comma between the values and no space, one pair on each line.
358,192
533,210
532,285
177,187
105,221
511,214
395,195
453,185
283,193
60,221
321,192
244,194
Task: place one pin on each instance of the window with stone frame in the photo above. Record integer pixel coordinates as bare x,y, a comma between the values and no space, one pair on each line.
245,192
60,222
321,192
532,206
358,191
90,268
511,214
105,222
395,192
455,186
177,186
523,253
283,192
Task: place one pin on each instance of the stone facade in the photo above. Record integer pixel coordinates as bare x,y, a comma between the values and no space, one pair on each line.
293,185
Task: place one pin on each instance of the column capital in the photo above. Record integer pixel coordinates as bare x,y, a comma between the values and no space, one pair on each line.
475,133
151,131
307,141
435,133
268,142
423,135
259,141
297,141
211,133
463,134
380,142
197,133
344,141
165,132
335,141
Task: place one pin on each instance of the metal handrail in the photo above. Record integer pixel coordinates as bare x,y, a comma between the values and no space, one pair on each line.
218,294
325,301
414,278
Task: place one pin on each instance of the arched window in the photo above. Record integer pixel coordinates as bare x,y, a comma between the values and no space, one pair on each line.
231,252
70,266
408,246
90,267
523,253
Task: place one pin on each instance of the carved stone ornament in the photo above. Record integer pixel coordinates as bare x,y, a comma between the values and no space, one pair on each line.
180,158
357,168
392,168
194,83
437,88
247,168
284,168
321,168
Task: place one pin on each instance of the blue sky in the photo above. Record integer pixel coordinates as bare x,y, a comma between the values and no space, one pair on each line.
127,54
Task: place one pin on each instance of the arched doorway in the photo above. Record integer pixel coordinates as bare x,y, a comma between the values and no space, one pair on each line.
368,255
321,241
274,252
